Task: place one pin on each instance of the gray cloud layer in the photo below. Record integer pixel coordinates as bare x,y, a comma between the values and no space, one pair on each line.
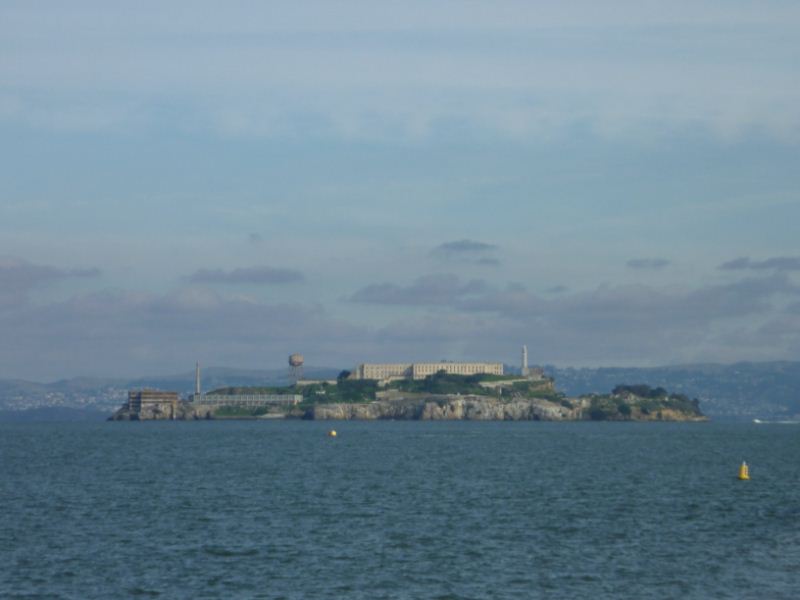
130,332
618,324
467,251
18,277
777,263
647,263
464,246
262,275
557,289
20,274
123,332
425,291
405,67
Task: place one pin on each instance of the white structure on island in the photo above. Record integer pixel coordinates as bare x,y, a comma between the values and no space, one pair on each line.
525,371
197,379
383,371
248,400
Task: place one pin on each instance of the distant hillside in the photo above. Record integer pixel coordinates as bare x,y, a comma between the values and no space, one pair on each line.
107,394
739,391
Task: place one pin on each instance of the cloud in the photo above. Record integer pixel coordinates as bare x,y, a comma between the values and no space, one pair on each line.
125,332
647,263
557,289
135,332
612,324
735,264
467,251
631,306
487,261
776,263
606,308
408,71
463,246
18,273
18,277
262,275
425,291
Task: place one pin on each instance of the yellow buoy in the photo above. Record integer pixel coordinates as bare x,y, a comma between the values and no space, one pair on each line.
744,471
332,433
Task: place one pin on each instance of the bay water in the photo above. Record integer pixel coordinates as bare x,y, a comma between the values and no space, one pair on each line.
447,510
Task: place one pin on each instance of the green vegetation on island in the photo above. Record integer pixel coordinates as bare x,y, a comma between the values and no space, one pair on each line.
502,387
642,403
344,390
238,412
439,396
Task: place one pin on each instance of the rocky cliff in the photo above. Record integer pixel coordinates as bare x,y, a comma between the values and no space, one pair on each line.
621,406
484,408
435,408
181,411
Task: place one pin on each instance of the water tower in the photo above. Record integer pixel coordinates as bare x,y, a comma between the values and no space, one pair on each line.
295,367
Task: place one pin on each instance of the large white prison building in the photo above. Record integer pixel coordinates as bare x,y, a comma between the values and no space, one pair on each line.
381,371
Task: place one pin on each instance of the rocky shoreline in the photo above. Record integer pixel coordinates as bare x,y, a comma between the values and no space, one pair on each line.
427,408
447,408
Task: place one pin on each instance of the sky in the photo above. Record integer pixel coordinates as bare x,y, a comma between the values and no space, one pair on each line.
610,183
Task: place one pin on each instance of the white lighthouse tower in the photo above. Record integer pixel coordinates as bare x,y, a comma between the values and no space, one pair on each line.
525,370
197,394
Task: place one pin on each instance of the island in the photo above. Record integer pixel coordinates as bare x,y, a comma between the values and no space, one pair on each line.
438,396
